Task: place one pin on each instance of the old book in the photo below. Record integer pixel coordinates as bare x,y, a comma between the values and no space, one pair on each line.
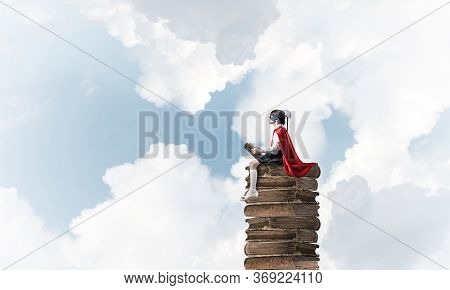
286,182
303,223
278,170
267,195
282,209
280,248
282,263
281,235
249,147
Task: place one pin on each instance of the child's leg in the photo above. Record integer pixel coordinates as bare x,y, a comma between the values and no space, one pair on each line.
253,174
253,164
252,193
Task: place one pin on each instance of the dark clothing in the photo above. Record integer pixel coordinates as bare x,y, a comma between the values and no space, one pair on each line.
270,158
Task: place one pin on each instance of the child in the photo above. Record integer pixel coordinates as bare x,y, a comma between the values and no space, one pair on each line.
281,151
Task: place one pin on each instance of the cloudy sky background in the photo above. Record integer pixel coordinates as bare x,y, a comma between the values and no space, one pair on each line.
69,145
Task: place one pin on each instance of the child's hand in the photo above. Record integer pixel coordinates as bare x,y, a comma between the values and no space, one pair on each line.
257,150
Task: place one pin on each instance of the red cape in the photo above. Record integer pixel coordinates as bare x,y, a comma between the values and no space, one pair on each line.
293,166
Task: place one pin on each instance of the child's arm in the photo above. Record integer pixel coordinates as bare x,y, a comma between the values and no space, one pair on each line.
274,148
258,150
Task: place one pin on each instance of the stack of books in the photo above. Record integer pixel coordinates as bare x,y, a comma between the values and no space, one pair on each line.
282,221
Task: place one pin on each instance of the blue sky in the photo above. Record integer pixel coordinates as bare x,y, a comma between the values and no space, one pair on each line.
74,138
67,146
57,156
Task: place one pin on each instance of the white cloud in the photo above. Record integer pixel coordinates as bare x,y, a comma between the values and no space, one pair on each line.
181,71
186,219
21,231
233,26
184,54
176,221
405,211
392,98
